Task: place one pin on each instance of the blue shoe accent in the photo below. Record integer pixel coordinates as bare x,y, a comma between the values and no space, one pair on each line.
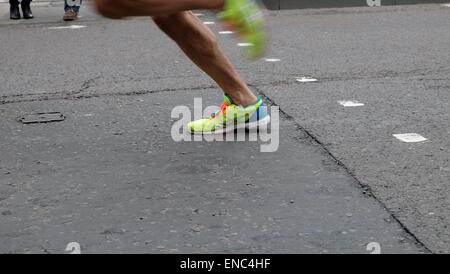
260,113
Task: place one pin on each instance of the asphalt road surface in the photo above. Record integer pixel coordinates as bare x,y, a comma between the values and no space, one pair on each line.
110,176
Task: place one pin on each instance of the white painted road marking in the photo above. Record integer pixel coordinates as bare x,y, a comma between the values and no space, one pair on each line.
306,79
410,137
351,103
374,247
198,14
272,60
245,44
68,27
226,32
208,23
73,248
447,5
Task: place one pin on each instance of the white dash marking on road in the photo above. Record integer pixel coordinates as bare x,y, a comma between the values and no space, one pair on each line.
410,137
272,60
350,103
226,32
306,79
208,23
198,14
68,27
447,5
245,44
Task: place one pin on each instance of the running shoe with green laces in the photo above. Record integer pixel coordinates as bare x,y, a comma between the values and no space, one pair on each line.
246,17
231,117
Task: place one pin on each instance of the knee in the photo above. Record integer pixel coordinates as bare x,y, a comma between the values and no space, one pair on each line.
184,29
174,25
111,8
167,23
160,21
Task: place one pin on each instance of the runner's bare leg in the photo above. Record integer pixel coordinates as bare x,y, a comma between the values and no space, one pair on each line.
200,45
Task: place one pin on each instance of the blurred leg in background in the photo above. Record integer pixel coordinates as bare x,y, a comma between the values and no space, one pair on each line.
71,9
14,12
26,9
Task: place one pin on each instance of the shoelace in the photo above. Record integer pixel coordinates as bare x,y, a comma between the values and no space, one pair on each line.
223,109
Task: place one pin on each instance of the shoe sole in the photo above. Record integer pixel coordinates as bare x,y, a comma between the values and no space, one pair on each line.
248,126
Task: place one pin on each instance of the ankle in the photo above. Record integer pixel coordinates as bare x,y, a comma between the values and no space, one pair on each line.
244,100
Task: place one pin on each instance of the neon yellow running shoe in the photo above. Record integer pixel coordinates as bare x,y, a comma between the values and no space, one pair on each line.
246,17
231,117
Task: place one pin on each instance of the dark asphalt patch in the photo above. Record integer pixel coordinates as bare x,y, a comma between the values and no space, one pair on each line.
37,118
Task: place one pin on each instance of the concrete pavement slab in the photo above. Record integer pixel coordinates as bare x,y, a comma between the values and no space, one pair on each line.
111,178
116,79
411,178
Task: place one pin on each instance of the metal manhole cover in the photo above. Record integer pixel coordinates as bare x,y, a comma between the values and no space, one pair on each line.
48,117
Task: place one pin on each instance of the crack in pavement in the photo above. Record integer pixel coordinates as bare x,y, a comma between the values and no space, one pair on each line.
76,95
